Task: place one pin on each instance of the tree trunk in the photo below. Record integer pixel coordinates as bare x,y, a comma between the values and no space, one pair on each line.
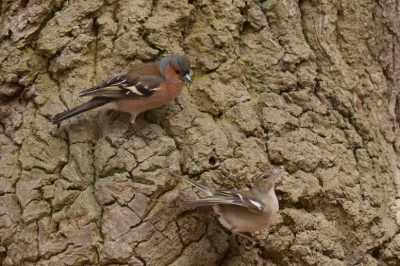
308,85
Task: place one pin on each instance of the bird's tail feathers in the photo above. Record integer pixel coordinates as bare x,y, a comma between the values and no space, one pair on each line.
92,104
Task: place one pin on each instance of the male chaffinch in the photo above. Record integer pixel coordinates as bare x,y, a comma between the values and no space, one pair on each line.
145,86
242,210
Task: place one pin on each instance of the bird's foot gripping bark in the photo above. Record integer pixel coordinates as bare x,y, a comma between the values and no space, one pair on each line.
246,239
145,137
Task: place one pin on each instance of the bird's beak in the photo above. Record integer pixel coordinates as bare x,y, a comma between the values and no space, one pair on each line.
186,77
277,172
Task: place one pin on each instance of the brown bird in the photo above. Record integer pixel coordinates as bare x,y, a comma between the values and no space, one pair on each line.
145,86
242,210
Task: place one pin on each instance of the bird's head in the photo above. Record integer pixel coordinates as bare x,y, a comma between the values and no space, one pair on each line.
180,64
266,181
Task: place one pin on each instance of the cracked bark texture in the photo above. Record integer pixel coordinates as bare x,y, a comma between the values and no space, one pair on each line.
310,85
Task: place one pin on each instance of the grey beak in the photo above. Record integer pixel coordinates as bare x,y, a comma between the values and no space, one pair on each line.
277,172
186,77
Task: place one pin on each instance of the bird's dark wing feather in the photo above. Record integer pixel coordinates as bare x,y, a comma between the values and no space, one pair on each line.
209,201
239,199
121,87
251,204
234,197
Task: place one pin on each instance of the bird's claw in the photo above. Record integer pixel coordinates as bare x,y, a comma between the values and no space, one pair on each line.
247,239
248,247
144,136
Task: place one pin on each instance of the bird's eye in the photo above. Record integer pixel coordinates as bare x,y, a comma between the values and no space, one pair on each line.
265,176
177,72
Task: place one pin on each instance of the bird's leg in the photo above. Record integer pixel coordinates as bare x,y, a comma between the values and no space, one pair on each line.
249,238
141,134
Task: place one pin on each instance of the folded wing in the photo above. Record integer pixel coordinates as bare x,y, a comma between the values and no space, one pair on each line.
227,197
123,87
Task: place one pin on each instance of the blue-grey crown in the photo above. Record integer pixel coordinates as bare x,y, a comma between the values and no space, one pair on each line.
174,60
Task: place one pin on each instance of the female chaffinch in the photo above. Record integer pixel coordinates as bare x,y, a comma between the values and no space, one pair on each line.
242,210
145,86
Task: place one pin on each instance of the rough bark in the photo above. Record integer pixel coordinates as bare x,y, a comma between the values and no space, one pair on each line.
309,85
